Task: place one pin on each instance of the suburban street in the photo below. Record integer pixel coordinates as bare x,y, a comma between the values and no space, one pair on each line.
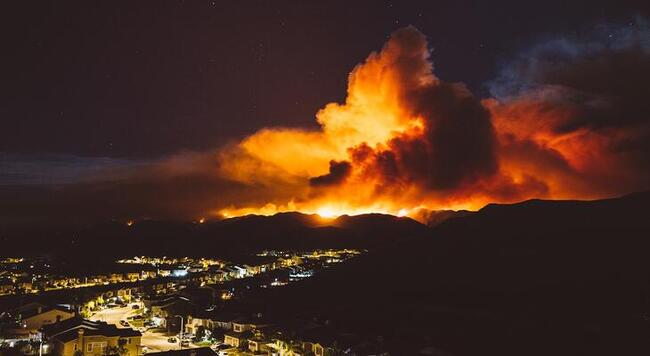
113,315
154,342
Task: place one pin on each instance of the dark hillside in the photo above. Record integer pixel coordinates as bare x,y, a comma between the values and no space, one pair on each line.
535,278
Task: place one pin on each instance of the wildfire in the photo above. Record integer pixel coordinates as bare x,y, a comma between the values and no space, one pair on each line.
405,141
327,212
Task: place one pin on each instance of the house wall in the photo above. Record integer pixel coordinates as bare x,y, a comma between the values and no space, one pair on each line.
240,327
67,349
133,346
194,324
232,341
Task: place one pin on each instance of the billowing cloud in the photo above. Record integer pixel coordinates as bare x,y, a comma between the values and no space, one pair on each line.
572,112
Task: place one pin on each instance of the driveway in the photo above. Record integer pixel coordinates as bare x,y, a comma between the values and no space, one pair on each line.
113,315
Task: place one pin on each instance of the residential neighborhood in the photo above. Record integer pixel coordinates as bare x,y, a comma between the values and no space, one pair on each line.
176,304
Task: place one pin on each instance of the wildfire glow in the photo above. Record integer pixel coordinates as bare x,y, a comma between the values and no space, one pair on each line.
326,212
404,142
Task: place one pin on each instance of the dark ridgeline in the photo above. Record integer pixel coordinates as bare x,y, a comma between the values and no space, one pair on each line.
534,278
223,238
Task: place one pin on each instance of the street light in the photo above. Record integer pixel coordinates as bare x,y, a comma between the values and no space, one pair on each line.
180,338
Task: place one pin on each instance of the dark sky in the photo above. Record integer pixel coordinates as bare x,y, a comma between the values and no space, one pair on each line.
139,79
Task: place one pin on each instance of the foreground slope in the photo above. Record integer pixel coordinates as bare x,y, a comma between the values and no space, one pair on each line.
535,278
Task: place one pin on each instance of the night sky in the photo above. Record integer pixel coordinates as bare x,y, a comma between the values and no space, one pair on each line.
140,79
137,109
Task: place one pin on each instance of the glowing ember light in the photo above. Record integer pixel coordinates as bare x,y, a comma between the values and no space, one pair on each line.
129,223
326,212
201,221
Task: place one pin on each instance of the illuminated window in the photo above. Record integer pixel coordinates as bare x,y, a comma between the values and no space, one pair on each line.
97,347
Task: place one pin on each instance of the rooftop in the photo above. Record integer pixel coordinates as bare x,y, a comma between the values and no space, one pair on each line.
68,330
201,351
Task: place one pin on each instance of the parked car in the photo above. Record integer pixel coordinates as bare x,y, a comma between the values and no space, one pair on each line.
124,323
172,340
185,343
219,346
135,306
229,351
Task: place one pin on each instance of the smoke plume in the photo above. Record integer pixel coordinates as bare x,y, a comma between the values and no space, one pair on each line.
568,118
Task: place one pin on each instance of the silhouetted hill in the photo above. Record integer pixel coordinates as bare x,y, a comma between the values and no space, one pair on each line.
534,278
221,238
434,218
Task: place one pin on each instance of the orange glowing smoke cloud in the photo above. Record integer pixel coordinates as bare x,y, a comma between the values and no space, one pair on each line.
404,140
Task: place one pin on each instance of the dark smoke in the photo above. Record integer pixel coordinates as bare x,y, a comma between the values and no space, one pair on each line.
337,174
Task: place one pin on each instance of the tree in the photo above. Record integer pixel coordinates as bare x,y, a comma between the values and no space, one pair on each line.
200,334
120,349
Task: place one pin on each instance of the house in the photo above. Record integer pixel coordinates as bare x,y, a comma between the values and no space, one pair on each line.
325,341
26,286
7,287
125,293
133,276
35,316
232,272
257,344
219,275
247,332
195,268
169,307
256,264
201,351
81,337
240,325
163,288
210,320
286,347
224,320
240,271
148,274
194,322
100,279
237,339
